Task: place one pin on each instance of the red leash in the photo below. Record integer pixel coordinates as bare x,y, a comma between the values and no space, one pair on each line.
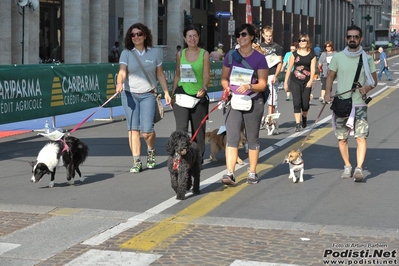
81,123
203,121
225,97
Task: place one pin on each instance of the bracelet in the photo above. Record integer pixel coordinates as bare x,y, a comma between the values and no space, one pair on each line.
205,88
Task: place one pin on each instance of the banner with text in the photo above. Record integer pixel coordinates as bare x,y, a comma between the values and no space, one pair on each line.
35,91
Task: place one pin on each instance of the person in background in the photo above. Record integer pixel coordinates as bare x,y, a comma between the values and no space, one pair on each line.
343,67
215,54
383,64
220,49
113,55
300,79
324,61
178,49
274,53
237,79
192,78
56,53
284,67
137,93
317,51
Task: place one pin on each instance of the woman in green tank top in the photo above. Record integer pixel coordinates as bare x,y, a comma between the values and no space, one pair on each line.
192,78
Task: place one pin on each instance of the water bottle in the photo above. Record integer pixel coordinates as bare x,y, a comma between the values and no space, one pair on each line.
46,128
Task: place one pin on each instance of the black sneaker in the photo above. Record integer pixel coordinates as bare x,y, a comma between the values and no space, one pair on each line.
228,179
298,128
304,121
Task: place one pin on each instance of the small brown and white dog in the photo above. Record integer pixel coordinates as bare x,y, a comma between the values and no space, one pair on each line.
296,164
271,125
218,142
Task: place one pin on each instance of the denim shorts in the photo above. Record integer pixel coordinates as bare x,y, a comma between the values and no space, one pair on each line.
139,110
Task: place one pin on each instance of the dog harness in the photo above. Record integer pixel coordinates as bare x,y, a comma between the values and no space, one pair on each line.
66,147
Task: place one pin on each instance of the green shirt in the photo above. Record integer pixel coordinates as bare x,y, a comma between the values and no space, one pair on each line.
345,68
197,66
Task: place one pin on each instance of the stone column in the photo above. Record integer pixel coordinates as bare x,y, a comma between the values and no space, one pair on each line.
77,31
151,18
32,28
133,13
6,37
99,31
175,25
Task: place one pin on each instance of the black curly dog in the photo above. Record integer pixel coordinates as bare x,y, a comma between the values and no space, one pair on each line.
184,162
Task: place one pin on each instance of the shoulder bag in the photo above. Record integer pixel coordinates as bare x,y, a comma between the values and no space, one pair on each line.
343,107
159,112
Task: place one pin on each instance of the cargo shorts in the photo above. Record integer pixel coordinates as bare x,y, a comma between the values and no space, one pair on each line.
361,126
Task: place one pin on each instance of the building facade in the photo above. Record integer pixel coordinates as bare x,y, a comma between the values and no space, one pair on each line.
83,31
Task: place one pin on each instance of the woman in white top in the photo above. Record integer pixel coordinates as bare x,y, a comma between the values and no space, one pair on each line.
324,61
137,92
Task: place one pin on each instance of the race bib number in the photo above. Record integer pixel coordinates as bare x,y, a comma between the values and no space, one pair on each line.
272,60
187,73
240,76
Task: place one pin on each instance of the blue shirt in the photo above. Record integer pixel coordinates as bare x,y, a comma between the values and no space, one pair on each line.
383,56
317,50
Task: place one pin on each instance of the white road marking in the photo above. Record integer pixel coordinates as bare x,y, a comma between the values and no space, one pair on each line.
5,247
256,263
108,257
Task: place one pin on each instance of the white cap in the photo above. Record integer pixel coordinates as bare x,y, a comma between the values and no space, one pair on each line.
220,44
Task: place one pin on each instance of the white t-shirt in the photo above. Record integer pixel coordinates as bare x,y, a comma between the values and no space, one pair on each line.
136,80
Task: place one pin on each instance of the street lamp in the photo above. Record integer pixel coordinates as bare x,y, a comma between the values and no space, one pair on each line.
33,4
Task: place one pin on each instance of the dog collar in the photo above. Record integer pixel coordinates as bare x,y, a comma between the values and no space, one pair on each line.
301,162
176,163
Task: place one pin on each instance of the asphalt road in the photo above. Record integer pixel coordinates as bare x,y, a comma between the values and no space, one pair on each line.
111,195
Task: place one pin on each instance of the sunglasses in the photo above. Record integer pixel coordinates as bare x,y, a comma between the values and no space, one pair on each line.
241,34
356,37
302,40
138,34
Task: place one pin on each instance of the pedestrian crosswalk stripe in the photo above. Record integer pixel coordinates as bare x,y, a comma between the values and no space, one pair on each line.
5,247
109,257
257,263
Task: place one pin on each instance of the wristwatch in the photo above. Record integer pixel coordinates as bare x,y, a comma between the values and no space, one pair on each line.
250,87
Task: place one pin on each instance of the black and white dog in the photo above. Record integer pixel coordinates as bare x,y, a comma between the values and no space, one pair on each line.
68,151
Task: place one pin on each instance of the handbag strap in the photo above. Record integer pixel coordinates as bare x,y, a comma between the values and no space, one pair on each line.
142,68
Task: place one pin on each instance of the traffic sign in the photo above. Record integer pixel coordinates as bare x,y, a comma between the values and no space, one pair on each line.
231,26
223,14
